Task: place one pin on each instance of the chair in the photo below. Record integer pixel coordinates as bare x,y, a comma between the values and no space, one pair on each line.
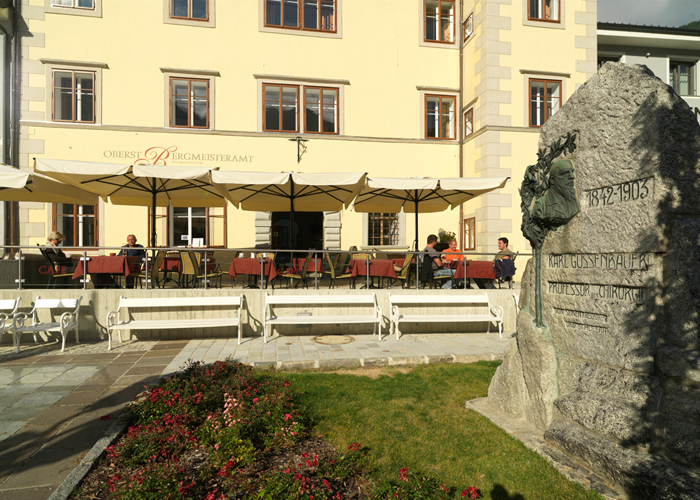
506,270
153,271
192,268
68,321
367,257
336,272
403,272
291,276
54,268
8,308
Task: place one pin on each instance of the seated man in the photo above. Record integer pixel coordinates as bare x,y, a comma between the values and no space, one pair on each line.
438,263
449,254
504,251
132,249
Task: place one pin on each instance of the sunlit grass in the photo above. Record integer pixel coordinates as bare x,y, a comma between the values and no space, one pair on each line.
417,420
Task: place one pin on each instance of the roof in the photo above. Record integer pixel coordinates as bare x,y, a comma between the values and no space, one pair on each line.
657,37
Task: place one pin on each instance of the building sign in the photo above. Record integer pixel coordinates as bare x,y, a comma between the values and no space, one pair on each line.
158,155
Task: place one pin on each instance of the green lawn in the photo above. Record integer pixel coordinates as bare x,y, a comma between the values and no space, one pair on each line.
417,420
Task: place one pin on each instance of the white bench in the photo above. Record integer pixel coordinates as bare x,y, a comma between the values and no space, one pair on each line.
120,319
8,308
490,313
67,322
303,318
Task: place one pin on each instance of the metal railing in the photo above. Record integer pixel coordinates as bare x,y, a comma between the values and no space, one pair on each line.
318,262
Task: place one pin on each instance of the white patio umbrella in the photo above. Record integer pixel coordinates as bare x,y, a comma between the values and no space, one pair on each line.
140,185
421,195
289,191
18,185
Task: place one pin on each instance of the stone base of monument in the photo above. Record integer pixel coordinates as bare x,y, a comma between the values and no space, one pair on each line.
605,364
532,437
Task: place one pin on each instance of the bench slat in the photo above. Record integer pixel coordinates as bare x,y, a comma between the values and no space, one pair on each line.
438,299
153,302
301,320
322,299
158,324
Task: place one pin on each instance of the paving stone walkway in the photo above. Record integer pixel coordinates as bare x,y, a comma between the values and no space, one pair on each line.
55,406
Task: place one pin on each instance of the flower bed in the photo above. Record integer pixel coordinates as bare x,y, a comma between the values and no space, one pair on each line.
226,431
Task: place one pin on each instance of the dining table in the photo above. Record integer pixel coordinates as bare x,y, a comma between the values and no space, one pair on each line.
106,265
315,266
173,264
475,269
377,269
251,266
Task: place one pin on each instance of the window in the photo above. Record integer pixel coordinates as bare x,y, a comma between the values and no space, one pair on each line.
543,10
74,4
383,229
469,123
73,96
545,100
470,234
440,116
309,15
603,59
194,10
78,223
191,226
468,27
681,77
439,21
282,113
189,102
320,110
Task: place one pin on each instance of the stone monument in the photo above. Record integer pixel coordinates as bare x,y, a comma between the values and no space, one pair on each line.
612,377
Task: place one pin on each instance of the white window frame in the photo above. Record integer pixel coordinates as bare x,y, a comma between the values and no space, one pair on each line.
209,23
471,122
72,10
302,83
300,32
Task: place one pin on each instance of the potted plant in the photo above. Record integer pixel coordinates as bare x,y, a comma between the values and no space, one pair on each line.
444,238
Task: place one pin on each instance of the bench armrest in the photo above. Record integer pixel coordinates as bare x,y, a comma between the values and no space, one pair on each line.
497,311
18,320
66,319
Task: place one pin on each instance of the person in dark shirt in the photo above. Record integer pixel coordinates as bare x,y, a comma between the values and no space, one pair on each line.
132,249
54,253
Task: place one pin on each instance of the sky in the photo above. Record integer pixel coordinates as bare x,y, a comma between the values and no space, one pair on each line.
672,13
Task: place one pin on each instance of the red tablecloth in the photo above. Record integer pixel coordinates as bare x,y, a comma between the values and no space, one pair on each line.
477,269
377,268
174,264
252,266
104,264
299,263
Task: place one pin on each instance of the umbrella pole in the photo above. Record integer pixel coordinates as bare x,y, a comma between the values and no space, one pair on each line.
153,215
415,202
291,222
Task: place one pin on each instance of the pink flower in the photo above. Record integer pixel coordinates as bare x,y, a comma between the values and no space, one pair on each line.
106,417
287,417
255,400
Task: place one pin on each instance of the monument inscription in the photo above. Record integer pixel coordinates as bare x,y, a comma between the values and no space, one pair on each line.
631,261
623,192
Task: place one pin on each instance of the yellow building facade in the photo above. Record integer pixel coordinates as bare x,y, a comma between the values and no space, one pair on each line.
400,88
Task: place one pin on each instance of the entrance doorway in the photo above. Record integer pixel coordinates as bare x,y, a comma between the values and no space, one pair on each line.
307,233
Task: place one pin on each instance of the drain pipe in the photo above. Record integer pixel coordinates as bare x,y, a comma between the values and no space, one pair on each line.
461,118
